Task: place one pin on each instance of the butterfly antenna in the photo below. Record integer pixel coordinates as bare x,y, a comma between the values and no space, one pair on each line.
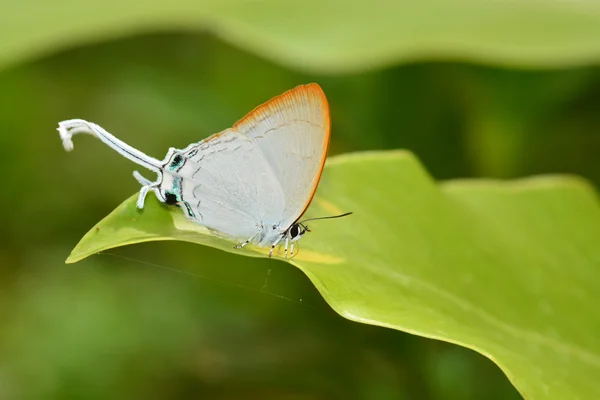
328,217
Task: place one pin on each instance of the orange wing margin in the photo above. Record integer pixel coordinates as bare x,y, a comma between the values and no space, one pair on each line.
313,92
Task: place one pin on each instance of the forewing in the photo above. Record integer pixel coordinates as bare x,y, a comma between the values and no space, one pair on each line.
292,132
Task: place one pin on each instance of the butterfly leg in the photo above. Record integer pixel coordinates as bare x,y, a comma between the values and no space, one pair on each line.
275,244
241,245
285,249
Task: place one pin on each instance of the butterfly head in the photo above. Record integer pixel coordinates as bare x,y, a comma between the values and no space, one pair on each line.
296,231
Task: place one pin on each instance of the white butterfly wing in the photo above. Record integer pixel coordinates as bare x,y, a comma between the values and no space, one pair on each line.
229,185
292,131
255,178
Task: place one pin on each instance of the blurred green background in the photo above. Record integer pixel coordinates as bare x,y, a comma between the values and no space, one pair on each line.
175,320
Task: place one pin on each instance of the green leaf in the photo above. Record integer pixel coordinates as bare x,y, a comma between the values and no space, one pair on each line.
326,35
507,268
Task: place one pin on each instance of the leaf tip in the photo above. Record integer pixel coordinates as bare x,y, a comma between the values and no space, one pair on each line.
75,257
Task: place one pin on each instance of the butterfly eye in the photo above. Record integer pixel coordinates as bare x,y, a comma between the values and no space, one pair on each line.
170,199
295,231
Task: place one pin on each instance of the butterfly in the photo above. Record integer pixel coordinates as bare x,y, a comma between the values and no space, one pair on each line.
251,182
